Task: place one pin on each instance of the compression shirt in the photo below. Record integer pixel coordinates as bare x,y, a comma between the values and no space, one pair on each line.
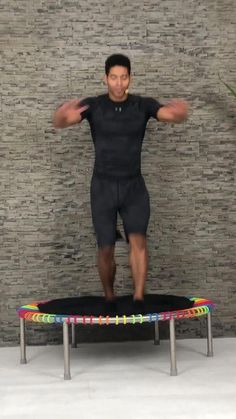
117,130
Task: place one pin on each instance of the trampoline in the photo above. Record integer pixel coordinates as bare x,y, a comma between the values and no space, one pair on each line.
84,310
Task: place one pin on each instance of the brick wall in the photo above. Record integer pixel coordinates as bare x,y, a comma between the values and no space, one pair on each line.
55,50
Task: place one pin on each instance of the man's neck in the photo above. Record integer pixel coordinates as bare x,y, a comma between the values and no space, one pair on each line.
115,99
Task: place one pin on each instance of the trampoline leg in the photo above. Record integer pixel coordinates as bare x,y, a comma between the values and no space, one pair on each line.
66,347
73,338
209,336
22,342
173,368
156,337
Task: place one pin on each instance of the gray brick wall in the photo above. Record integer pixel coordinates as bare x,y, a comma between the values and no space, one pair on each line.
55,50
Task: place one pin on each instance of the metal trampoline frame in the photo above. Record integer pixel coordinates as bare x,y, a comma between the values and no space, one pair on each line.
202,307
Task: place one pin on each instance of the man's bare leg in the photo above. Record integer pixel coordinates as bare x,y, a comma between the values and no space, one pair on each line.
139,263
107,270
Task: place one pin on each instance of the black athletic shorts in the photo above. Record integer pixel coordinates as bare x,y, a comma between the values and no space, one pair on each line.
128,197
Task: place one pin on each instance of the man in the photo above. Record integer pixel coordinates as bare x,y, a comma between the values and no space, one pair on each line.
118,121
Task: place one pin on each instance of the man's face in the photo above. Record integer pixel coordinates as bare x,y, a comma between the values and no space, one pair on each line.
117,81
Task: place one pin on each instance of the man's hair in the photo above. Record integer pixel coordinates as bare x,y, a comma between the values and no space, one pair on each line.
117,59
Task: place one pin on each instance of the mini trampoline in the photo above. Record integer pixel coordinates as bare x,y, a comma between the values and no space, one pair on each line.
93,310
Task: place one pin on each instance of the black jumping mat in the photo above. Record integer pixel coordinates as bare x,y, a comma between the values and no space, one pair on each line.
124,305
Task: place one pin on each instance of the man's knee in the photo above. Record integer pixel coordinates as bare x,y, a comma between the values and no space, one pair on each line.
106,253
138,242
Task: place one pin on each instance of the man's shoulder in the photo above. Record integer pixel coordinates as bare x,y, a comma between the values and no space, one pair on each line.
96,100
135,97
100,98
140,98
89,99
93,101
142,101
147,104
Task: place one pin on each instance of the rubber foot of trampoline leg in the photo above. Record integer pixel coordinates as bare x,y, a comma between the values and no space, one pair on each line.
23,361
157,342
74,345
67,377
210,354
173,373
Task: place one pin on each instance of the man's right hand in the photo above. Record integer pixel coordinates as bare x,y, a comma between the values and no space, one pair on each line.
68,114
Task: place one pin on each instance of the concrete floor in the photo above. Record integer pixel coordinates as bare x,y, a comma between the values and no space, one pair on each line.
120,380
